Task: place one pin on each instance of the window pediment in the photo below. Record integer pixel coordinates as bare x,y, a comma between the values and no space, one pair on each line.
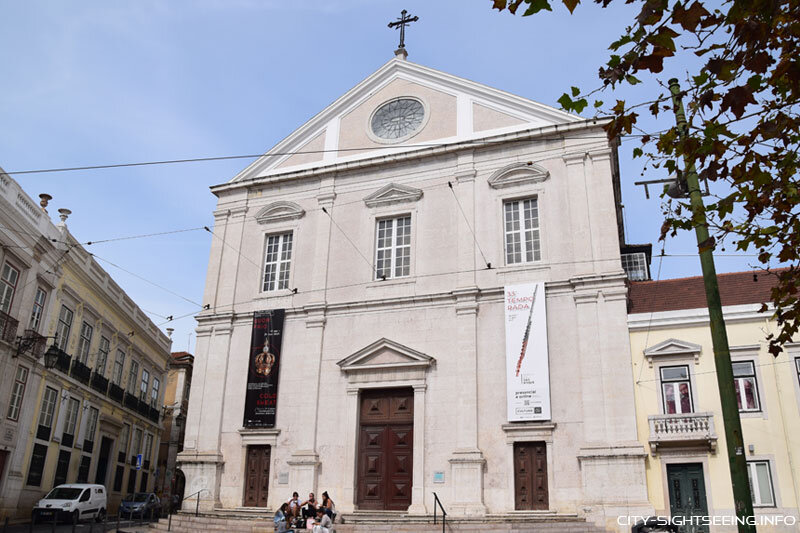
383,355
673,347
279,211
523,173
393,193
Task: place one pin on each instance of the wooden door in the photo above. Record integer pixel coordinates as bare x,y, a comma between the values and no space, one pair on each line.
256,488
687,494
530,476
386,449
102,461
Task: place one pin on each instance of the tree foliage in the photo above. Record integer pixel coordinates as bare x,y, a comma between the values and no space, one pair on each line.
742,108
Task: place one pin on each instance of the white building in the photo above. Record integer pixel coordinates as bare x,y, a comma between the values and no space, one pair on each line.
372,226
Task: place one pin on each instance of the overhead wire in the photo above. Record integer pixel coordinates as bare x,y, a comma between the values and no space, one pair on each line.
474,238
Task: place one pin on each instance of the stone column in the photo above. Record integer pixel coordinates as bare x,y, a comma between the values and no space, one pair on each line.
418,480
351,423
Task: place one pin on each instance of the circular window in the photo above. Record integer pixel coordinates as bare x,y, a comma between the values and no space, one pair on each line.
397,119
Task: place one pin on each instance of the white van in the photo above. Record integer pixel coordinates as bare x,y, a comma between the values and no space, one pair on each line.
72,502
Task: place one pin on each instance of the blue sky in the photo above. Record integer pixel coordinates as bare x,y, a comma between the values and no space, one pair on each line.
104,82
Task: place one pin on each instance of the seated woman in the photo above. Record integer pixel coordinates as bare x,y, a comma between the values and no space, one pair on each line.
280,519
328,506
309,507
323,523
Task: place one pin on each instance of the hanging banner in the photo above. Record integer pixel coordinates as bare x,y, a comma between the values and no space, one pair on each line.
261,397
527,368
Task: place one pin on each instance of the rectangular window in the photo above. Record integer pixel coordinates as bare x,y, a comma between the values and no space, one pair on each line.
17,393
760,483
62,468
154,393
676,389
46,413
38,458
797,365
38,309
144,385
148,448
136,445
119,364
118,475
393,248
73,406
133,373
63,327
277,261
143,484
123,443
102,356
85,342
83,469
8,284
91,425
521,219
131,481
744,380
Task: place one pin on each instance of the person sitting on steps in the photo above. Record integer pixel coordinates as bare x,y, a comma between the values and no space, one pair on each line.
280,519
323,523
328,506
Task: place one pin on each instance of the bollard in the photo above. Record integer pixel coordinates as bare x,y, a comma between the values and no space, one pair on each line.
53,529
118,515
30,526
73,526
5,525
105,520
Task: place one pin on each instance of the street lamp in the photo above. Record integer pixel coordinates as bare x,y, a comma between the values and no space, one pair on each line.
51,357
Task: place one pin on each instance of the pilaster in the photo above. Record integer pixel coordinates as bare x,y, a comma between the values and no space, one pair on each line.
579,224
418,480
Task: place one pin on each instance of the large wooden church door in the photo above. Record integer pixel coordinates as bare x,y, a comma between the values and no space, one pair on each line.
256,487
385,449
530,476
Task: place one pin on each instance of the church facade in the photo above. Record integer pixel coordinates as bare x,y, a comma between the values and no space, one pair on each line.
365,317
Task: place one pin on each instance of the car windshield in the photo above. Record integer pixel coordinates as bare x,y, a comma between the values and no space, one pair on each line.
138,497
63,493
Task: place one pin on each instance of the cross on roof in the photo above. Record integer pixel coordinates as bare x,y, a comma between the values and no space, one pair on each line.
401,23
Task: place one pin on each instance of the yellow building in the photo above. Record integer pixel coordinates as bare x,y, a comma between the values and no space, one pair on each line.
91,415
678,408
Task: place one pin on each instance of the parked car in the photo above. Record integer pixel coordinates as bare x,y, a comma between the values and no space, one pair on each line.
142,504
71,502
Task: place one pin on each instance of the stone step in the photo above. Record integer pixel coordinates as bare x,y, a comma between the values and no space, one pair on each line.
381,523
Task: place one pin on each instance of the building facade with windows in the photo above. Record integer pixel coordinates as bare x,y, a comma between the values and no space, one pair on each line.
373,248
89,416
678,406
176,403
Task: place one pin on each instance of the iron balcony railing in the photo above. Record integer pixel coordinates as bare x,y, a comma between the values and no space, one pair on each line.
63,360
81,372
682,430
131,401
99,383
115,392
8,327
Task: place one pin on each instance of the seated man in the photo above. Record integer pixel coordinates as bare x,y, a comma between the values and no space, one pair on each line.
323,523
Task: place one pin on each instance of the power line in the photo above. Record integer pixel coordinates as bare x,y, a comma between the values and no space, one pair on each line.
278,154
369,263
474,238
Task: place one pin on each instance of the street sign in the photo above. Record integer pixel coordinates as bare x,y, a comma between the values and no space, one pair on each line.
139,462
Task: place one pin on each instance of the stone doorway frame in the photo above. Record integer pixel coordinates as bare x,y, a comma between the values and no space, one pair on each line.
381,365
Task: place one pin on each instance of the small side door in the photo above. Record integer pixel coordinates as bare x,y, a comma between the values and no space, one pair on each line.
85,502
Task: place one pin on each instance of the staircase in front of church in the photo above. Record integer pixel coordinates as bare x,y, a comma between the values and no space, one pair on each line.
236,521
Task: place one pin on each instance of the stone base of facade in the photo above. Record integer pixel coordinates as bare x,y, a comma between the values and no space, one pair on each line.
303,470
466,471
203,471
614,486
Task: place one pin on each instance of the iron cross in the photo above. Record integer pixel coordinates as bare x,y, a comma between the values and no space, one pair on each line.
401,23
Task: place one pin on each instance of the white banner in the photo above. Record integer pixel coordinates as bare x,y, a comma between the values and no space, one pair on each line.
527,369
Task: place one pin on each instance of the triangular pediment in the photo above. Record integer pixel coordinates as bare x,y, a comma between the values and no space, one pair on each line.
385,354
455,110
673,348
522,173
278,212
393,193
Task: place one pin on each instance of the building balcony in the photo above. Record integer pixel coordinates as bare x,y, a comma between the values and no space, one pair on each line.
689,430
154,414
131,401
62,363
8,327
33,342
143,409
99,383
115,392
81,372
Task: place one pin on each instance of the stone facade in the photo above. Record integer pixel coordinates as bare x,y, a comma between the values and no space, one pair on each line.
66,424
437,330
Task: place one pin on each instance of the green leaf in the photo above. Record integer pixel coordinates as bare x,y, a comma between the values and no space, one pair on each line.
638,152
633,80
536,6
575,91
565,101
598,103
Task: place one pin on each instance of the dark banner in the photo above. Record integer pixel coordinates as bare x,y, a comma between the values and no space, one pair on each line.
261,397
